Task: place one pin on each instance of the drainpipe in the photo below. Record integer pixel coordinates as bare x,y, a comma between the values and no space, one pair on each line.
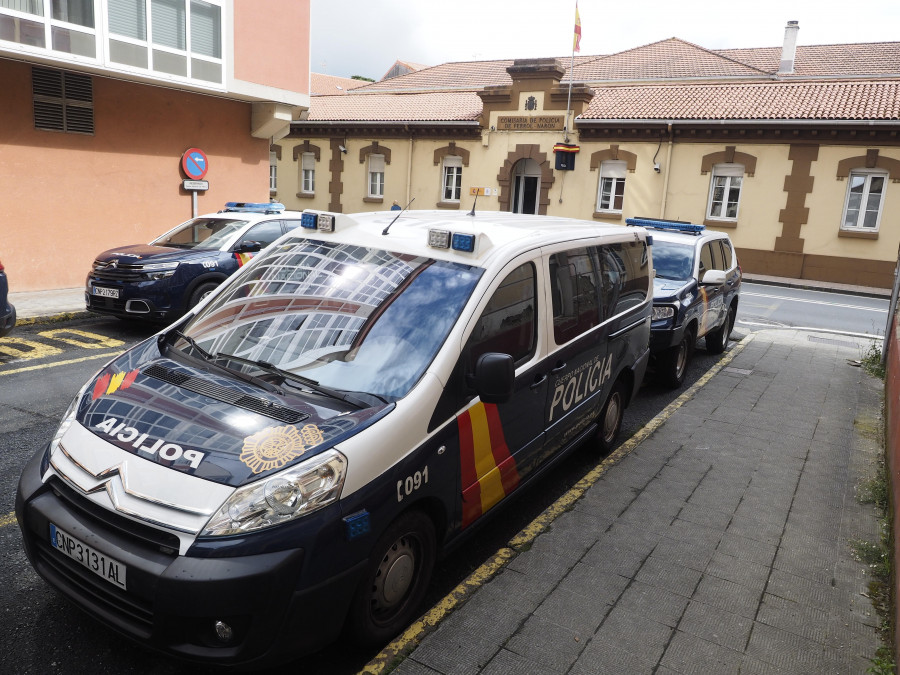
665,189
409,164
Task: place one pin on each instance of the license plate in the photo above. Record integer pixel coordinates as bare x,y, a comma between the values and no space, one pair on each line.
106,292
98,563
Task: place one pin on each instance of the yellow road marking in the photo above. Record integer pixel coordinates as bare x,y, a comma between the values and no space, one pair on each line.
389,657
89,340
107,355
20,348
8,519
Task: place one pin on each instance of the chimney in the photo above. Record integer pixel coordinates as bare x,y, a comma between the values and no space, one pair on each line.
789,49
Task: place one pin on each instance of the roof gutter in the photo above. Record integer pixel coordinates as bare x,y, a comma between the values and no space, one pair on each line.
742,122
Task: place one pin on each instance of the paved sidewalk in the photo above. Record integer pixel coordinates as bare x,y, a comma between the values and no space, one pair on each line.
720,542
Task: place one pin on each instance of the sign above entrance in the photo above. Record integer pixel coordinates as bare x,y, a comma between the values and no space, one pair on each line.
530,122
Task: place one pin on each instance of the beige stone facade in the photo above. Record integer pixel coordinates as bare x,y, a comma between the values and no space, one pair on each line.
791,143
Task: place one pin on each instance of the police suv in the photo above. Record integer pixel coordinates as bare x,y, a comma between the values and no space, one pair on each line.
289,460
161,280
696,290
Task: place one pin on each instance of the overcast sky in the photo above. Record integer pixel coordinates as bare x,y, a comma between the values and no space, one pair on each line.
366,37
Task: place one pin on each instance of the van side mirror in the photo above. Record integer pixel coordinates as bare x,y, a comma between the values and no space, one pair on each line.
248,246
494,377
713,278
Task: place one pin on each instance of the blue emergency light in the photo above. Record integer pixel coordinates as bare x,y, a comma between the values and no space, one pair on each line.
255,207
463,242
673,225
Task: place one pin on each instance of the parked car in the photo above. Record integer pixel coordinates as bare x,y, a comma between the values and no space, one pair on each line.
162,280
695,294
290,459
7,310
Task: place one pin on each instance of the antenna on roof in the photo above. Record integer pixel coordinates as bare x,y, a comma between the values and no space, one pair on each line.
385,230
472,212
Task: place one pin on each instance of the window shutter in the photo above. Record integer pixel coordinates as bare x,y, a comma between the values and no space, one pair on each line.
309,161
128,18
376,163
205,21
613,169
168,23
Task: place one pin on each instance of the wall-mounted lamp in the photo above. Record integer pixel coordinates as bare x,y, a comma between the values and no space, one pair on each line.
342,149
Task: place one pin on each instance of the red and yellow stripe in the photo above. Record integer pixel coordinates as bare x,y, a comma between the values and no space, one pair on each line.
488,469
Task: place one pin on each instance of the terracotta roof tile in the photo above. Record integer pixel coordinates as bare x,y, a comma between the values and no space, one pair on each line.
320,84
847,60
671,59
427,107
770,101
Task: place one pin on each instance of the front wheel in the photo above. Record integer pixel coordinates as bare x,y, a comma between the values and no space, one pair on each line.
717,340
395,580
611,418
672,364
201,292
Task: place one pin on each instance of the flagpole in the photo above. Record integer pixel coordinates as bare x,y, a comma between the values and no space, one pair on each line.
572,72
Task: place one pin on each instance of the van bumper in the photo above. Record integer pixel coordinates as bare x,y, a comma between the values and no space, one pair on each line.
172,602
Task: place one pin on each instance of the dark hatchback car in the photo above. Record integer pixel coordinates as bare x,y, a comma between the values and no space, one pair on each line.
695,294
162,280
7,310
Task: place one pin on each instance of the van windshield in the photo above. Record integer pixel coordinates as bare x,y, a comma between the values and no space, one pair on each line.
201,233
351,318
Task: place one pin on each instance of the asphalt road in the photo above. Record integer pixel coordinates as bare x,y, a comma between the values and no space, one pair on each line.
41,368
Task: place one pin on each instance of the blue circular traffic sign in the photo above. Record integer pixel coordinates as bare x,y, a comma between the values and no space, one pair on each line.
194,163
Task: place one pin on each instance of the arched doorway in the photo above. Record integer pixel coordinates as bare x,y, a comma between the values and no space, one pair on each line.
526,181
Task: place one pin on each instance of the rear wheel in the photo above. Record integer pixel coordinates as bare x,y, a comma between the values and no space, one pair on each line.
717,340
611,418
395,580
672,364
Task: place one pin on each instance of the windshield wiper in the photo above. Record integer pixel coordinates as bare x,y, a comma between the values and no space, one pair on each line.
294,379
163,342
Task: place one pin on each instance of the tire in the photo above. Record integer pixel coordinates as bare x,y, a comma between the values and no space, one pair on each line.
717,340
610,420
201,292
395,581
672,364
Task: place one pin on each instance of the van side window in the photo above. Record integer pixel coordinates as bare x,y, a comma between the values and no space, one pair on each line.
625,276
574,277
508,323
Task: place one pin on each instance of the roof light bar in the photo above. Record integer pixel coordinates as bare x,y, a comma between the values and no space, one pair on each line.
255,207
673,225
325,222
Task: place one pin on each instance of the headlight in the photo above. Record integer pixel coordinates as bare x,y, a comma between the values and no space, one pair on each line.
159,270
289,494
662,312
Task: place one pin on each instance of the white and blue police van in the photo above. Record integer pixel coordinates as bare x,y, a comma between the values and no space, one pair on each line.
285,464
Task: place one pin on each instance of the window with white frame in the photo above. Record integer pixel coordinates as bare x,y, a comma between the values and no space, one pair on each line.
308,173
725,191
179,38
376,175
452,179
273,171
611,190
66,26
865,197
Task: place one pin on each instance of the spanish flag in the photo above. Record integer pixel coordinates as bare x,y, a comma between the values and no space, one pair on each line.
576,45
487,468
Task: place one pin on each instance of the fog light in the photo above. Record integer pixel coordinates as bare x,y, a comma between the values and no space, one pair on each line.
224,632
